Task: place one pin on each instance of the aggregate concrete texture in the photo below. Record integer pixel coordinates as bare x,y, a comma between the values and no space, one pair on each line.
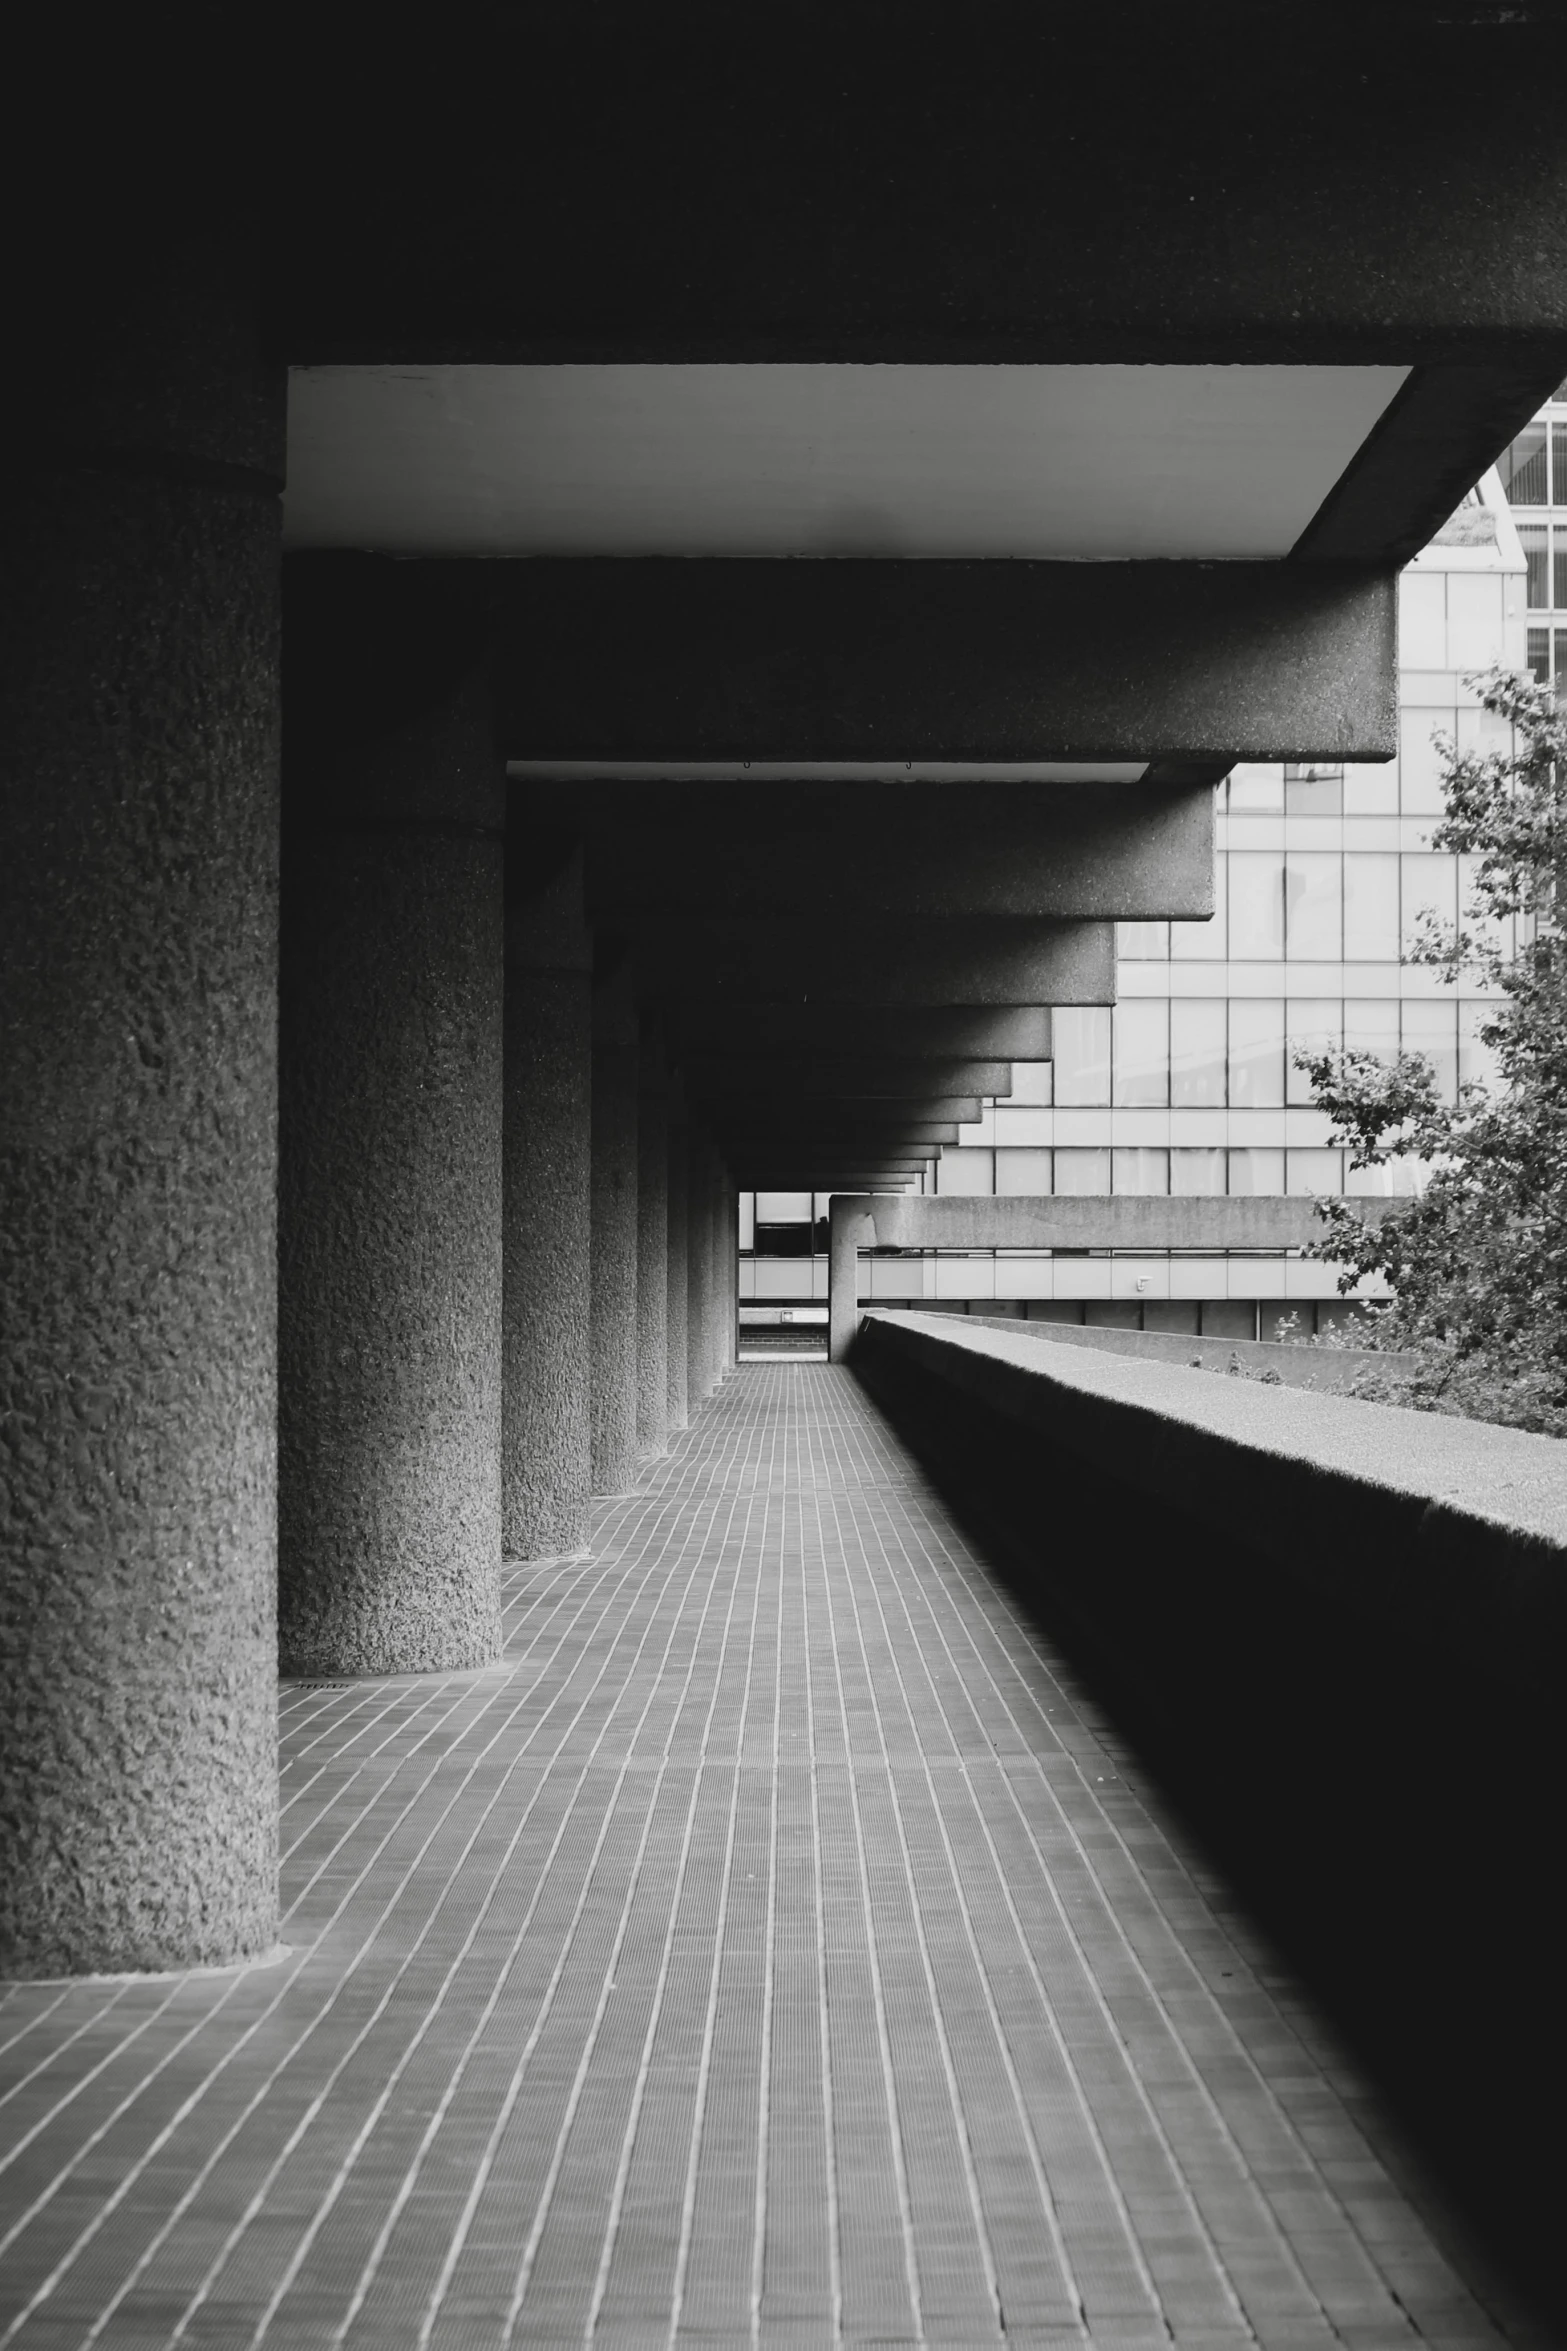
677,1260
784,1948
391,1160
546,1445
138,1123
616,1069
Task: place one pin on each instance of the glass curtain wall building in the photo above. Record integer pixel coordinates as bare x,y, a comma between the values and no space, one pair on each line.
1188,1085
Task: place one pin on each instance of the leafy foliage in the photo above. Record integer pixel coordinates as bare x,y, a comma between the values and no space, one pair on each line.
1477,1258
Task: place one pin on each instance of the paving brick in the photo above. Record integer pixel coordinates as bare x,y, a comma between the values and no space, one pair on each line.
781,1948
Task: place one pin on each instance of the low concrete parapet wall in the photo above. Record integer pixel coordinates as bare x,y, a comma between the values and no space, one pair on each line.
1335,1632
1301,1365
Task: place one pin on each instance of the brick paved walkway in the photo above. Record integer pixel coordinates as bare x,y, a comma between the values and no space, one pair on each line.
776,1950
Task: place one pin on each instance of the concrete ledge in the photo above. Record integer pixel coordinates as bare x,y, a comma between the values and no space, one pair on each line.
1443,1531
1327,1369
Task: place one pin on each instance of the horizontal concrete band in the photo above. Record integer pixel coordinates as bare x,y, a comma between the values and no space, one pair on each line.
654,658
778,1076
1293,1366
1442,1531
1090,1221
1009,1033
957,960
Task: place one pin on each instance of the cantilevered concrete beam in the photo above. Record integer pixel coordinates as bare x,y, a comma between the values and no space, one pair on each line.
960,960
864,660
1128,852
908,1033
786,1078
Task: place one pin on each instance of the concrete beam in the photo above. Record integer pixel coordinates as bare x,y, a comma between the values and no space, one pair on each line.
1092,1221
862,659
911,1033
1128,852
716,1077
928,200
958,960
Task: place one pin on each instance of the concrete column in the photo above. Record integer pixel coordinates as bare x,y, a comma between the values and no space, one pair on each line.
138,1009
677,1350
652,1245
546,1448
699,1268
390,1198
850,1228
614,1224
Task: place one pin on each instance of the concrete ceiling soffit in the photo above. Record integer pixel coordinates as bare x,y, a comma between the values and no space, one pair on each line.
990,961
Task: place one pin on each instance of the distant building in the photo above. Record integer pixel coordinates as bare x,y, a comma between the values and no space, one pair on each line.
1187,1086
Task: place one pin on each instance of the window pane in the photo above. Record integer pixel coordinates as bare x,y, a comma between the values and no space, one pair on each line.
1314,794
1196,1172
1559,463
1256,1053
1256,906
1142,1052
1022,1174
1082,1171
1254,1171
1370,907
1419,767
1430,885
1314,1027
1143,941
1082,1051
1141,1171
1522,467
1477,1064
1197,1045
1533,538
1314,1171
1033,1086
1256,790
783,1207
1432,1029
1559,570
1204,942
966,1174
1539,656
1371,791
1314,892
1371,1026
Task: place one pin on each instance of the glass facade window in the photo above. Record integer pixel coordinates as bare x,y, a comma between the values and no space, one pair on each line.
1082,1050
1256,791
1371,1026
1371,791
1524,470
1535,541
1142,1052
1198,1029
1559,567
1078,1172
1022,1174
1314,906
967,1174
1197,1172
1432,1029
1314,790
1257,906
1314,1026
1142,942
1256,1169
1140,1170
1429,886
1371,907
1314,1171
1256,1053
1539,655
1204,942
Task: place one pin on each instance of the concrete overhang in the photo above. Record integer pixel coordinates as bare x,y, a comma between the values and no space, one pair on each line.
814,851
1011,1034
719,1076
963,960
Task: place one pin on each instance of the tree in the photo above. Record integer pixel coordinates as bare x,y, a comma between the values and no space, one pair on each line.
1477,1259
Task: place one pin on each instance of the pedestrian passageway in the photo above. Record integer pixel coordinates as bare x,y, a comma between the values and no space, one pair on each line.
778,1948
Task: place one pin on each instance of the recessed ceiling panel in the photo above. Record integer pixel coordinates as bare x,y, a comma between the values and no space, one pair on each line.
1087,463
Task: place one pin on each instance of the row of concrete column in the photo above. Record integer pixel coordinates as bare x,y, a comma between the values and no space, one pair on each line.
354,1232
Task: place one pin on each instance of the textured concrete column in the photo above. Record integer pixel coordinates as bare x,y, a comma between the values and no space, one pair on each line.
699,1268
652,1245
390,1199
138,1008
614,1203
677,1354
546,1451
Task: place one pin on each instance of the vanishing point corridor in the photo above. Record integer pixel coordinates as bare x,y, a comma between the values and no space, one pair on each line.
778,1948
